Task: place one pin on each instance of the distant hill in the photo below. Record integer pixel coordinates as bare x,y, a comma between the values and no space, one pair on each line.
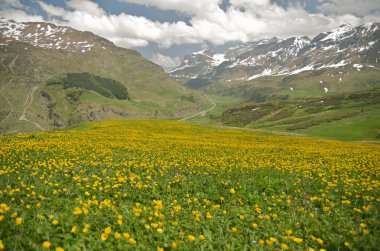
53,76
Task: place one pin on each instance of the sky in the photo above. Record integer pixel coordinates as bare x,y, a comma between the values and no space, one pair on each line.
166,30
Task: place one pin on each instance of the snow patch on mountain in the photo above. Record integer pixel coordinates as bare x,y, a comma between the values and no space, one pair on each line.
11,29
266,72
218,59
339,33
43,35
305,68
301,42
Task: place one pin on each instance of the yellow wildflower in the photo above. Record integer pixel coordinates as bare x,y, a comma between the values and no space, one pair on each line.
284,246
117,235
46,244
74,229
107,230
77,211
191,237
297,240
104,236
132,241
320,241
19,221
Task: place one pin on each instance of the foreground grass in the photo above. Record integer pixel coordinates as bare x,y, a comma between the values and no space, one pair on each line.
153,185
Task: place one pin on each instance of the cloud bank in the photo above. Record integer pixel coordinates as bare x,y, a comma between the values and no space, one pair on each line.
208,22
242,20
166,62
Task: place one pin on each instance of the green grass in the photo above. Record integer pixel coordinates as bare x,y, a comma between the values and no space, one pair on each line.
365,127
351,116
305,84
147,185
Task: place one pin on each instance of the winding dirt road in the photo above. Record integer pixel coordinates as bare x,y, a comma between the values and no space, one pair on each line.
204,112
27,103
6,98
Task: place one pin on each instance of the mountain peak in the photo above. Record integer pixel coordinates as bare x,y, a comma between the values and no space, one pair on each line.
345,45
50,36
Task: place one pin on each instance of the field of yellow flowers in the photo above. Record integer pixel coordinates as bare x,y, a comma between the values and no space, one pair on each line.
160,185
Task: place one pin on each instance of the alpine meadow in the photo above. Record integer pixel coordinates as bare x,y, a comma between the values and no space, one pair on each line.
189,125
146,185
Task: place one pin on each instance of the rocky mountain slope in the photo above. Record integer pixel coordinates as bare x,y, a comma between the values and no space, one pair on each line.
345,47
52,76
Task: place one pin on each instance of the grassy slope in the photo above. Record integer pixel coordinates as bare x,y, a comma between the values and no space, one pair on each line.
363,127
344,116
152,92
305,84
351,120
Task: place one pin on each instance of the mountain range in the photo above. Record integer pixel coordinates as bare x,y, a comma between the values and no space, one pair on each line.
347,46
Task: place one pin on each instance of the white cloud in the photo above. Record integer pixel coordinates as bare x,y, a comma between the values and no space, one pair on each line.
13,9
361,8
242,20
166,62
20,16
51,10
86,6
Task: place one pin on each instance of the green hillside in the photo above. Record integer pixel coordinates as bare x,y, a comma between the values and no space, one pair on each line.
350,116
305,84
106,82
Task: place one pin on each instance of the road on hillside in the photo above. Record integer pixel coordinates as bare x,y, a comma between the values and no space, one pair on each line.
28,102
204,112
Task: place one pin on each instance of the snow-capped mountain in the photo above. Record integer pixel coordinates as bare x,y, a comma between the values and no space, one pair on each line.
347,46
49,36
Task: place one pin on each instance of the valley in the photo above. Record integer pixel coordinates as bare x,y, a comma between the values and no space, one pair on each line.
274,87
190,125
297,85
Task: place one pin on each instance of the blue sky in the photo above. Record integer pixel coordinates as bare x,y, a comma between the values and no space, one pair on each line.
165,30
